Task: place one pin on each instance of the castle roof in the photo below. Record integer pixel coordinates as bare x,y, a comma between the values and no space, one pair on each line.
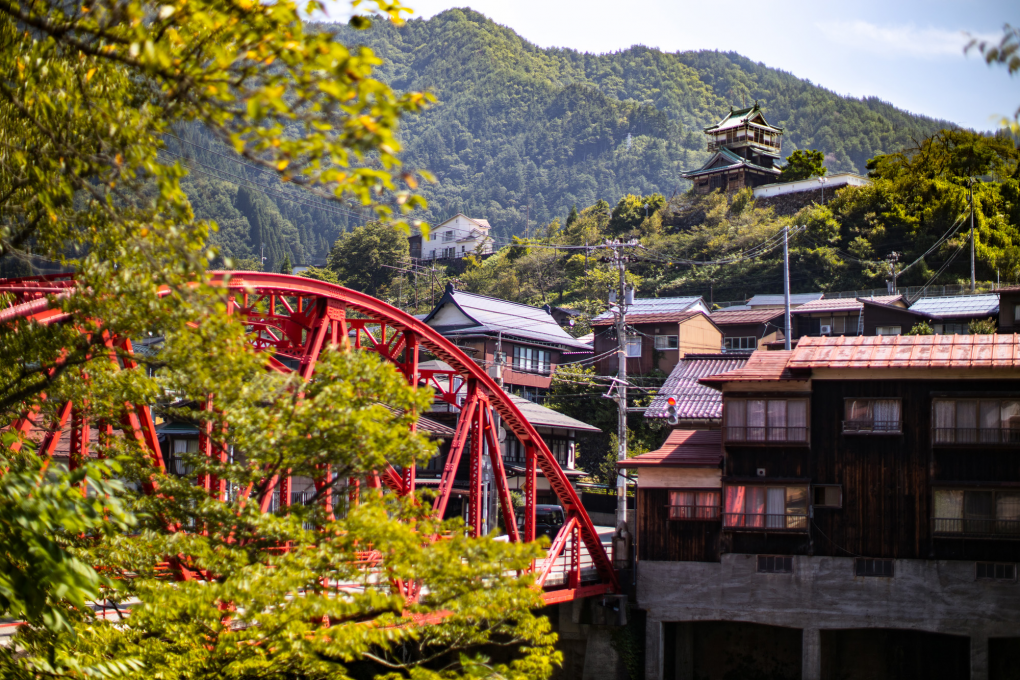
741,117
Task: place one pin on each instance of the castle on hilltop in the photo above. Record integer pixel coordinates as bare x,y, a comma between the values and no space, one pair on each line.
747,153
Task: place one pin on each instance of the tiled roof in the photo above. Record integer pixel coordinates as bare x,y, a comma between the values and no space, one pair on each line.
683,448
732,161
694,400
725,317
959,305
546,417
909,351
841,304
796,299
672,305
664,317
763,366
739,117
435,429
493,315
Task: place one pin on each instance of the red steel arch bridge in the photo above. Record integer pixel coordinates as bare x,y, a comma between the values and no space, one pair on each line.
293,319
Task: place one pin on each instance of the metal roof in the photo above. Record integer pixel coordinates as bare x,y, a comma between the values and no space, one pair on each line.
909,351
669,305
843,304
764,365
796,299
959,305
682,448
694,400
666,317
492,315
546,417
730,316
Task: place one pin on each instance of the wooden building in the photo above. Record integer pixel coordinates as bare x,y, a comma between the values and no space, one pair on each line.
518,343
661,331
745,153
749,329
841,316
866,494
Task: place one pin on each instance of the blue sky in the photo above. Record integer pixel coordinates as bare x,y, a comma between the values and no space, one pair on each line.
909,53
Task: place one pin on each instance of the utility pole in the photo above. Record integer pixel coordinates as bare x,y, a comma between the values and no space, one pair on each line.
786,285
621,541
973,286
893,258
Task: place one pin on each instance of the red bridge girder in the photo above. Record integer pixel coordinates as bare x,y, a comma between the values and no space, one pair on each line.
300,317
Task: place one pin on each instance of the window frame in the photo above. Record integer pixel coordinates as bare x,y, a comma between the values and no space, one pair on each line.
971,525
826,506
785,522
634,340
874,567
666,343
532,360
448,236
765,434
1004,435
781,564
857,427
716,510
752,342
879,329
993,566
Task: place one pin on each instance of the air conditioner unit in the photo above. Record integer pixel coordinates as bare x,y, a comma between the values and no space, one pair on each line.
826,330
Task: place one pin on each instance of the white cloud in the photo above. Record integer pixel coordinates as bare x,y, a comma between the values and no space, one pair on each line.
906,40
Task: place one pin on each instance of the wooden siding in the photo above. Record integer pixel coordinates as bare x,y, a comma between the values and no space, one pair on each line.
875,316
697,335
662,539
1008,300
886,480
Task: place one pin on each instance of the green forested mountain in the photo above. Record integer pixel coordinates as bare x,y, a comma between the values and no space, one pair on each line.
518,126
520,134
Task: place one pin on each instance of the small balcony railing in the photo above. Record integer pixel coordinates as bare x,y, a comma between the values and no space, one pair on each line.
741,434
721,144
957,436
765,522
694,512
979,527
872,427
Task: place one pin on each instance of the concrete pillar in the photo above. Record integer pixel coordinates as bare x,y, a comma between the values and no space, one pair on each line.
811,654
979,657
653,649
601,662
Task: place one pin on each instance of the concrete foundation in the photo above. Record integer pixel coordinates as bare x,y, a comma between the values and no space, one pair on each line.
821,595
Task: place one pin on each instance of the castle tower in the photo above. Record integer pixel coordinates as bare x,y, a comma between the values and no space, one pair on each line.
747,152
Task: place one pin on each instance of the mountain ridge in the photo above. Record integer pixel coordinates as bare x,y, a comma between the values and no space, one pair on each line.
520,132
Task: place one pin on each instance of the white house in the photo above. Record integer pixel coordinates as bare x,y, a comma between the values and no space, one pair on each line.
456,237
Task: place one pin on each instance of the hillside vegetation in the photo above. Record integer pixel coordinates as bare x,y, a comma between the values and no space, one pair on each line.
520,134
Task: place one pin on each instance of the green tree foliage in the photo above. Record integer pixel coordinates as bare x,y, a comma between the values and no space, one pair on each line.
632,215
921,328
525,132
803,164
286,267
359,258
982,326
88,98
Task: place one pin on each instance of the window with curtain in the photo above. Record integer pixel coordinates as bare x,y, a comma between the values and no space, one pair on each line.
181,447
766,420
694,504
666,342
870,416
766,507
977,512
531,359
976,421
633,346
